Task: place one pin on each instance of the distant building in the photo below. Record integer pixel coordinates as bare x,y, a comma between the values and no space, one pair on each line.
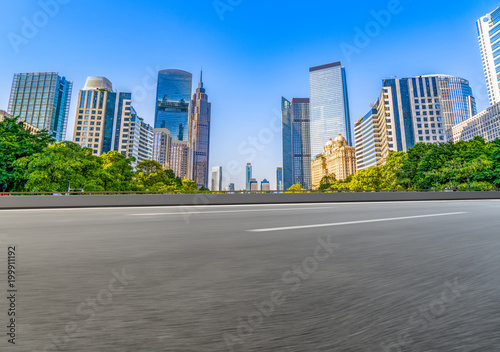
489,39
295,117
372,143
265,186
217,179
338,160
248,175
179,159
42,100
231,188
485,124
254,185
279,179
201,111
329,105
162,142
4,115
138,142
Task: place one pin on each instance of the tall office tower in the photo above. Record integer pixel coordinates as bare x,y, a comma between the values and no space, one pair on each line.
265,186
179,158
217,179
201,111
248,176
106,121
161,147
136,139
42,100
279,179
295,118
329,105
173,96
338,160
372,142
5,115
488,28
424,109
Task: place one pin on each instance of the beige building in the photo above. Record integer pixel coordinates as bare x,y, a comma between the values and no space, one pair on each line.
161,147
4,115
179,159
338,159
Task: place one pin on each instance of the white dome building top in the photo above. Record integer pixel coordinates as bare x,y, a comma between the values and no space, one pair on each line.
329,144
340,139
98,83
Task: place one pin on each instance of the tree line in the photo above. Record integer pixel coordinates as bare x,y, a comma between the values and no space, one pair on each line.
34,163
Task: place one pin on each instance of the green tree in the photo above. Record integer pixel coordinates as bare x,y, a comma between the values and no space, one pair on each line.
60,165
15,143
117,173
295,188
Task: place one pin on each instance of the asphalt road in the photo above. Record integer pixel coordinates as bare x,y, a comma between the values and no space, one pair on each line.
308,277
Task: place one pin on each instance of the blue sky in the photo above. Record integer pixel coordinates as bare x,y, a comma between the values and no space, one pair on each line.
252,52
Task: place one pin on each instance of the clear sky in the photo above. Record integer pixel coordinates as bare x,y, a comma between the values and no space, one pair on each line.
252,52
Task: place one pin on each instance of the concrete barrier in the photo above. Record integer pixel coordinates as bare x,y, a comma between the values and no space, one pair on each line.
84,201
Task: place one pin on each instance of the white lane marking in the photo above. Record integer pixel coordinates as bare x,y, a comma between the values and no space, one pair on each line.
352,222
228,211
248,205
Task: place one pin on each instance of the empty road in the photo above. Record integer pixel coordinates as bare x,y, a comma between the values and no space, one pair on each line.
410,276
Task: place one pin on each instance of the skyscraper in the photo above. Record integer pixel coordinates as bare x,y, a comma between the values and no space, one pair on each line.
42,100
425,108
173,97
217,179
295,118
489,40
106,120
279,179
248,176
161,147
329,105
201,111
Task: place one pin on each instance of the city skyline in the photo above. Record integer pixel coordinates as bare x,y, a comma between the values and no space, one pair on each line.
363,85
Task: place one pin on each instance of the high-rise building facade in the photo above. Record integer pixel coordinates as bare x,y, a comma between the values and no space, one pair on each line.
338,160
295,117
372,142
201,111
179,158
488,28
106,121
217,179
424,109
173,97
42,100
161,147
248,175
279,179
5,115
485,124
329,105
254,185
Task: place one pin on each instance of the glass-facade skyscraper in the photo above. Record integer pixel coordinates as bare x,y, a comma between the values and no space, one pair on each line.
201,111
329,105
248,176
42,100
425,109
295,118
173,97
488,28
279,179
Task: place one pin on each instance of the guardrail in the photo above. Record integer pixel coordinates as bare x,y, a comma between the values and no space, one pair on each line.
115,193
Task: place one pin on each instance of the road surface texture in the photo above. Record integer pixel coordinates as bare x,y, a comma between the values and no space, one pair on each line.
416,276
